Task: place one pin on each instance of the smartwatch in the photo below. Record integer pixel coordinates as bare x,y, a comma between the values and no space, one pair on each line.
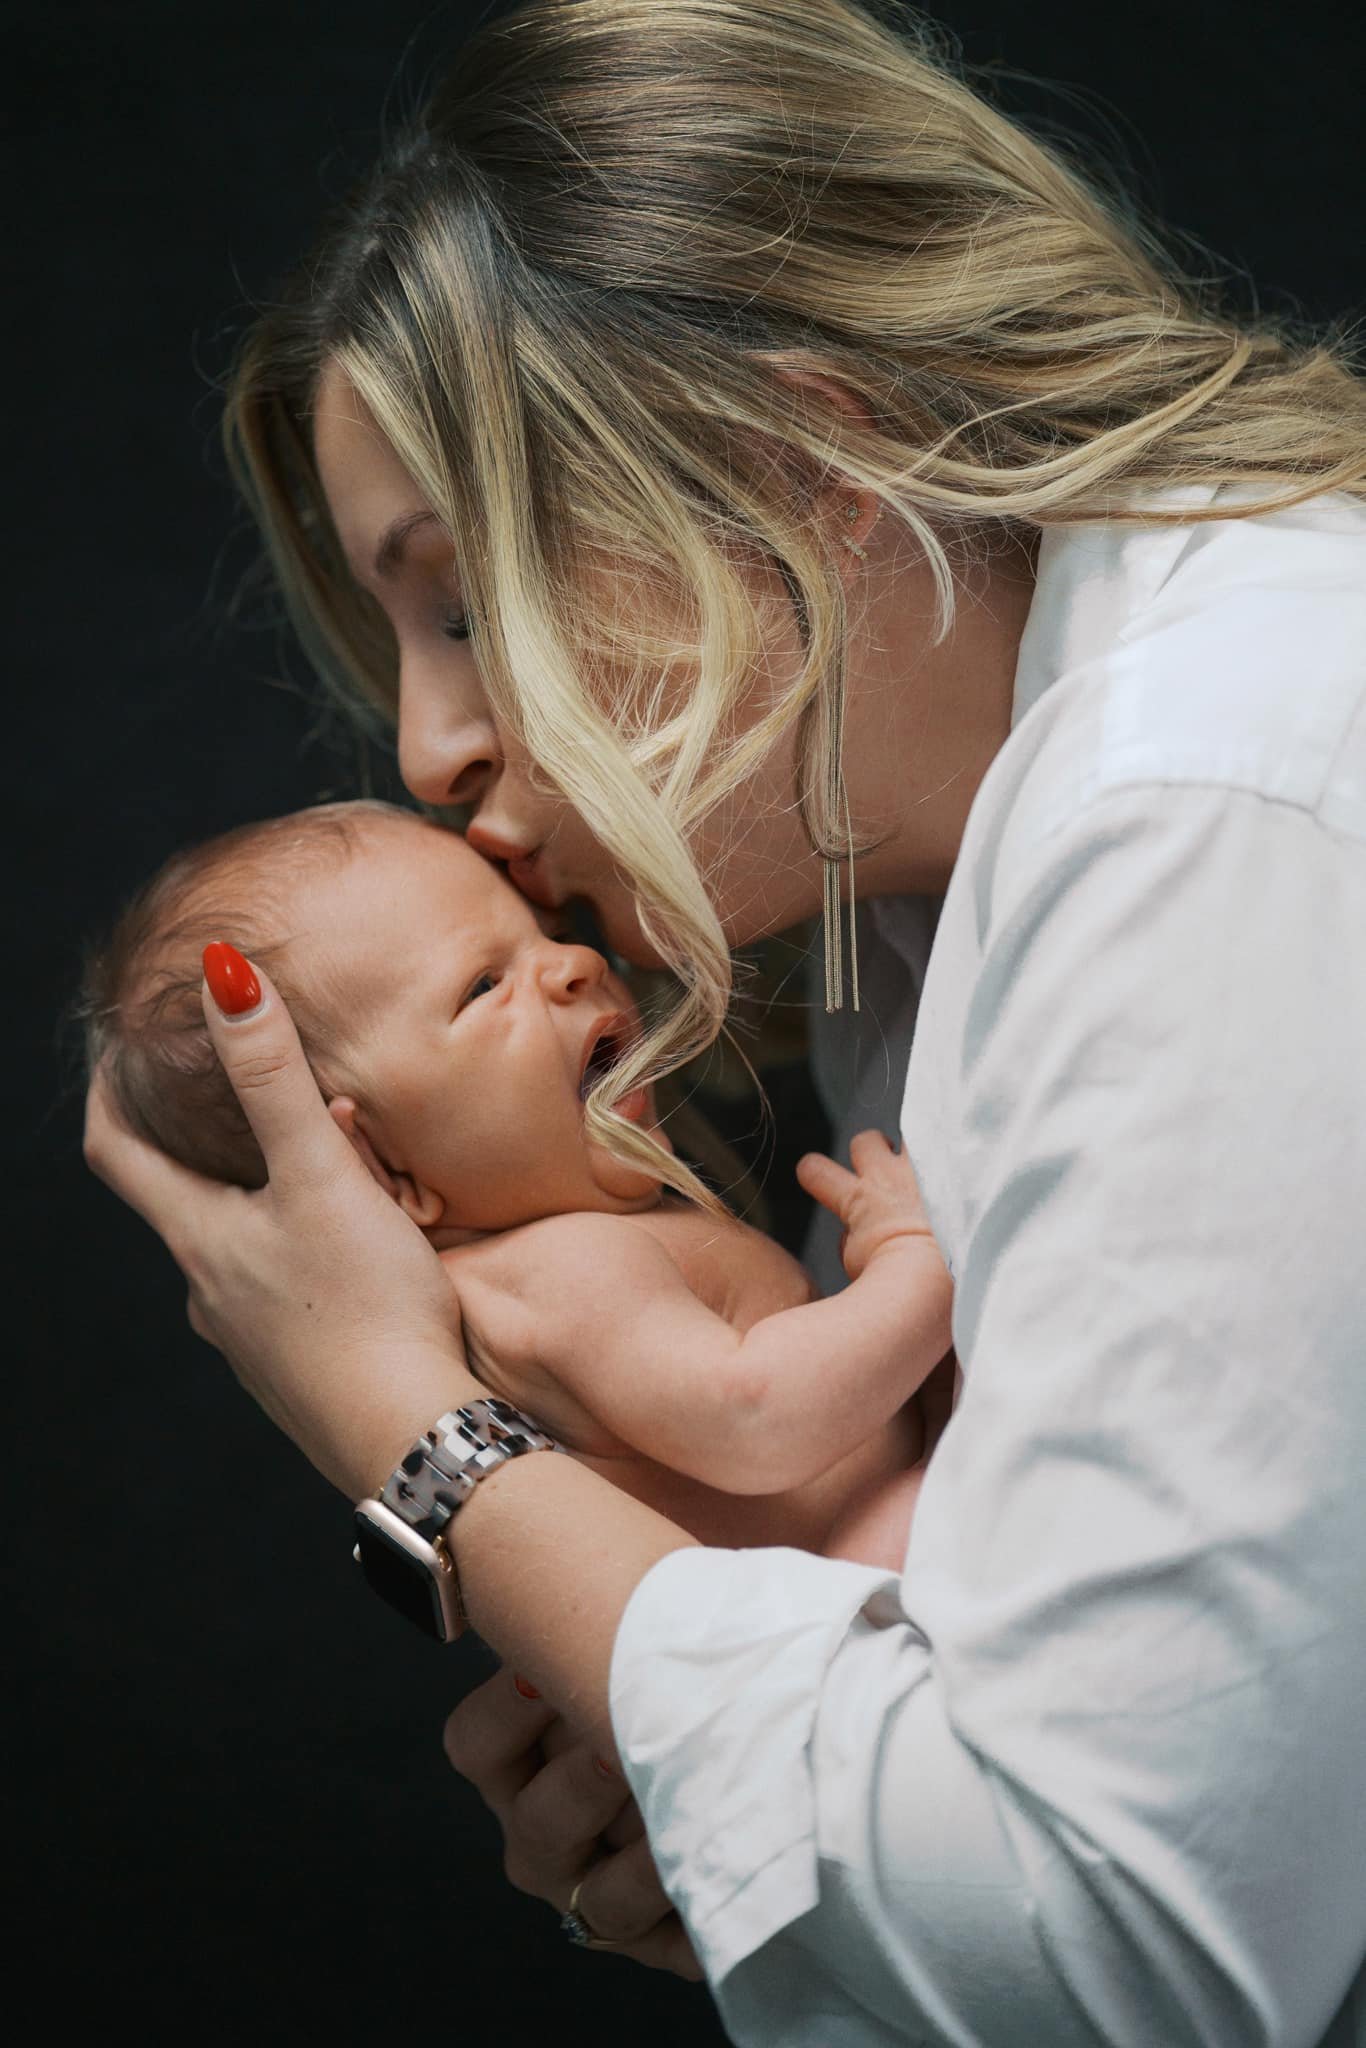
400,1533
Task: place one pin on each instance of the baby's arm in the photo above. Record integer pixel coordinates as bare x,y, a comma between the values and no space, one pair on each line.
622,1331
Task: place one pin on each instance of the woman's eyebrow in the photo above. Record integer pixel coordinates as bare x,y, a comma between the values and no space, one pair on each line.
389,553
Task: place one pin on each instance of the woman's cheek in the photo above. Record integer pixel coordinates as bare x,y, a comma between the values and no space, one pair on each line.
620,927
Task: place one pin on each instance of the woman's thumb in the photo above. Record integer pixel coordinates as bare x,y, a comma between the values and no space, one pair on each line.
255,1039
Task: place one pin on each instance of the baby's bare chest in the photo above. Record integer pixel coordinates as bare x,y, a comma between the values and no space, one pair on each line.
737,1272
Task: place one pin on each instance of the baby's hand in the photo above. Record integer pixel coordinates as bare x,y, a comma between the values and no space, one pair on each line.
878,1202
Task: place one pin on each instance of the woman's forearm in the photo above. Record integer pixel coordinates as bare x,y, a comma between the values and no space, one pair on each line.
547,1551
549,1555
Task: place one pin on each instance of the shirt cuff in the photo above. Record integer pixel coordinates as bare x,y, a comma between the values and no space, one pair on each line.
716,1679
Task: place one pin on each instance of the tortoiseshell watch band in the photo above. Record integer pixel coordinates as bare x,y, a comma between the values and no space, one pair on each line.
400,1533
447,1462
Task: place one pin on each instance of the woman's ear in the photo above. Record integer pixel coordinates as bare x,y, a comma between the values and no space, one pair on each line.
414,1198
795,373
833,490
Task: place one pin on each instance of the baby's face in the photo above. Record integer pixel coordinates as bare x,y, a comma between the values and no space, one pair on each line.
472,1031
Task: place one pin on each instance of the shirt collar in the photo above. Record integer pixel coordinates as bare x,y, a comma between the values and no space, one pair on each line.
1091,582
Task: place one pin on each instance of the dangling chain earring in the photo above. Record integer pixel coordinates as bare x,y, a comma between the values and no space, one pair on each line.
834,965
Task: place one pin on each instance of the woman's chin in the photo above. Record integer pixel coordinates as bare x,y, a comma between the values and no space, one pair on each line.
620,927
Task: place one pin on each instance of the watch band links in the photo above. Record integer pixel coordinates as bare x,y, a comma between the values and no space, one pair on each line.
438,1475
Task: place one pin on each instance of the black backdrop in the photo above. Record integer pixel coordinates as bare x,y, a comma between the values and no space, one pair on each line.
235,1817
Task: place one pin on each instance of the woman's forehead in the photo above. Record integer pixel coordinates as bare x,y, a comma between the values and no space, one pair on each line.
366,486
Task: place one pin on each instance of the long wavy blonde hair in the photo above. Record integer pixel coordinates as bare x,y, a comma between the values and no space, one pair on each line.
564,292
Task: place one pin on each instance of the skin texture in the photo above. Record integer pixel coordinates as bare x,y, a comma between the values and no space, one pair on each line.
549,1553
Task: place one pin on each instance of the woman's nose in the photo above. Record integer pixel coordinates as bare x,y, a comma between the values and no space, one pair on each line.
448,750
456,768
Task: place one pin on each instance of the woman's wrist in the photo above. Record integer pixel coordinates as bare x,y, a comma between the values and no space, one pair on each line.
549,1554
410,1393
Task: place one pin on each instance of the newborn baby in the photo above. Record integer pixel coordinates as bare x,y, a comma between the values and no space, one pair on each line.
454,1040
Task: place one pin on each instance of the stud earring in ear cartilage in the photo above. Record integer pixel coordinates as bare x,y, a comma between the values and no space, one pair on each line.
851,511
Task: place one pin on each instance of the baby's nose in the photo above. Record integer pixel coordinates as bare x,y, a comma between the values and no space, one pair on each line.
568,970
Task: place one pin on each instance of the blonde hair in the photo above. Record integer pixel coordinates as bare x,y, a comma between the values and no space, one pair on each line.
563,293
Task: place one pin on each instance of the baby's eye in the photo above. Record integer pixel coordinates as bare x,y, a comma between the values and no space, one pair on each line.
477,989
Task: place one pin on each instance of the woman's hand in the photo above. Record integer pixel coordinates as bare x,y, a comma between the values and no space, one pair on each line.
561,1810
332,1309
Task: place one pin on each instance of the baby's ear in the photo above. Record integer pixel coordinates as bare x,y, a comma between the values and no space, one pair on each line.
342,1110
423,1204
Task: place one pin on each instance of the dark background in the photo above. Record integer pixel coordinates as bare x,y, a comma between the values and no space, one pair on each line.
236,1819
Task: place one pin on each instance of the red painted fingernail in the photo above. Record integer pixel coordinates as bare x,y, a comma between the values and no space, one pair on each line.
527,1691
607,1769
232,984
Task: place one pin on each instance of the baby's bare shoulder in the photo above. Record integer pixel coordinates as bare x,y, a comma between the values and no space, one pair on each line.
557,1257
738,1272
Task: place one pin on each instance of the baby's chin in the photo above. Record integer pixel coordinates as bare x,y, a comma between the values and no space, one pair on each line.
621,1180
582,1178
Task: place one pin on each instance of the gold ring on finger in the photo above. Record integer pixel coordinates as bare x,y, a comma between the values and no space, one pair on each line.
580,1930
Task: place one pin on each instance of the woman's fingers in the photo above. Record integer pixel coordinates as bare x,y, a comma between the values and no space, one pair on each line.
161,1190
264,1061
621,1898
618,1900
328,1303
551,1828
557,1806
494,1738
667,1948
542,1783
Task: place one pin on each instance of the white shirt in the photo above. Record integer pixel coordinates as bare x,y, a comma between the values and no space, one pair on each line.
1092,1768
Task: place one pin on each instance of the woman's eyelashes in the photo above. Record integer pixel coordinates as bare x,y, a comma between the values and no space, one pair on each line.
456,625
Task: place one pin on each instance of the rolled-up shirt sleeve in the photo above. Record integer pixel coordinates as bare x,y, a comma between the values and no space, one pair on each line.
1093,1768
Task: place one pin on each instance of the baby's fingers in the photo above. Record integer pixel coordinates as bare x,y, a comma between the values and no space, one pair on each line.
868,1148
831,1185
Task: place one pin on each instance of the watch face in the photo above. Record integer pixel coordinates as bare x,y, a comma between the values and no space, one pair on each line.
404,1581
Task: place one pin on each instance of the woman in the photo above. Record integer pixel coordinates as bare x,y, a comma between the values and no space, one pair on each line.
735,454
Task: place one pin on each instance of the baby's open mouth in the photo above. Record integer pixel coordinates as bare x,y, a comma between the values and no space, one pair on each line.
610,1039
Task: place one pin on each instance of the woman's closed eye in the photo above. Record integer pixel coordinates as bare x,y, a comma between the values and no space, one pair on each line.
456,625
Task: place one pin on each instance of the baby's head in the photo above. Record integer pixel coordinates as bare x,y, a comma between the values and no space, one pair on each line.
451,1037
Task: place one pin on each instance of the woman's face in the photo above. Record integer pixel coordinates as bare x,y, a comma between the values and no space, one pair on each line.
761,874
